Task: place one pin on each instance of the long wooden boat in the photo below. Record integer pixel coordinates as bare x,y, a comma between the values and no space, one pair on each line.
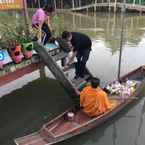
62,128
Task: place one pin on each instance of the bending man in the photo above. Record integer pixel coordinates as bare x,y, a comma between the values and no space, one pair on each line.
81,44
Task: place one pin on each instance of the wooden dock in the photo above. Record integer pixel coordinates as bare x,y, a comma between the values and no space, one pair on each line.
118,5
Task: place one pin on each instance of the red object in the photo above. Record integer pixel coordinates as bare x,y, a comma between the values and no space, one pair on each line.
16,53
1,64
28,54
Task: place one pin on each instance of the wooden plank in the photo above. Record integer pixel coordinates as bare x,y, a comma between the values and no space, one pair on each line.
55,69
59,56
78,83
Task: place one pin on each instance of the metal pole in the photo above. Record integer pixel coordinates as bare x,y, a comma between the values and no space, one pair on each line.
26,15
121,41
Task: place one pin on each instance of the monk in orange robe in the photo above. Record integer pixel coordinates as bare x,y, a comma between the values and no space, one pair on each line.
94,100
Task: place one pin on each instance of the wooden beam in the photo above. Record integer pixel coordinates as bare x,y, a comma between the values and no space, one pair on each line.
56,71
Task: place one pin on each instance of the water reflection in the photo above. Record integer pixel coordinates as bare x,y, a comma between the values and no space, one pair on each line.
140,124
105,30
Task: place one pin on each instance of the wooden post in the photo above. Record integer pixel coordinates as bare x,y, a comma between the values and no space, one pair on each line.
140,9
95,6
42,71
61,4
26,16
95,21
32,5
55,5
115,6
109,8
39,4
134,2
87,9
74,21
73,4
80,3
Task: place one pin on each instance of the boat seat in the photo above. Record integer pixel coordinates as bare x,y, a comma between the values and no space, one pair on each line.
64,128
45,132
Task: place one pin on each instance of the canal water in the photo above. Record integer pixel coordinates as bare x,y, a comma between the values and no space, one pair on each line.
33,100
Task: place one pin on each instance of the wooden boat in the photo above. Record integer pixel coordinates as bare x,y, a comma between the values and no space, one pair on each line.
62,128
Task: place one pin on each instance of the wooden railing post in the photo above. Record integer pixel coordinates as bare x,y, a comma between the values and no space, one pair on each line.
109,7
73,4
133,2
55,5
95,6
115,6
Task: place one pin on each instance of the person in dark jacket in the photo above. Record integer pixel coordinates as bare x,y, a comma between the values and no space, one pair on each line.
81,44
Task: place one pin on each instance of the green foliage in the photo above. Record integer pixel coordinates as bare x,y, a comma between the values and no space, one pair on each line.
12,34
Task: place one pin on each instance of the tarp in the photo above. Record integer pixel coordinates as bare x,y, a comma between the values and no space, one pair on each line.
11,4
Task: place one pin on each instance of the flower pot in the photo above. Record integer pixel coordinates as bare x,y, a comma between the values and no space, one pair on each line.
18,58
27,49
16,53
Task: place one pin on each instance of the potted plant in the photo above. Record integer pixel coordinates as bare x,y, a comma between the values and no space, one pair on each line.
9,40
26,42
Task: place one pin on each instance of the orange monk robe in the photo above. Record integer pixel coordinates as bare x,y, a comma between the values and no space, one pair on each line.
94,101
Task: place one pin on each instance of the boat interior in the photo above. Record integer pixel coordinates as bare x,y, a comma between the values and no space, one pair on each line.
62,125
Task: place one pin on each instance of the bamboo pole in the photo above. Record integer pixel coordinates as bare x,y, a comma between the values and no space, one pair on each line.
121,40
